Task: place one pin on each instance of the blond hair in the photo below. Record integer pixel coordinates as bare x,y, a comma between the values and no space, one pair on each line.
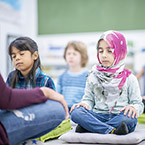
81,48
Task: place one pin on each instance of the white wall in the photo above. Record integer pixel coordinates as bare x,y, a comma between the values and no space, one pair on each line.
45,43
24,24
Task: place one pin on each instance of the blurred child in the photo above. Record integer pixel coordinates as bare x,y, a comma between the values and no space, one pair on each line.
72,82
112,100
27,74
139,75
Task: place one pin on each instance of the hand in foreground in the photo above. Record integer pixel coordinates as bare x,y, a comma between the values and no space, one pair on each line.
53,95
78,105
143,98
131,110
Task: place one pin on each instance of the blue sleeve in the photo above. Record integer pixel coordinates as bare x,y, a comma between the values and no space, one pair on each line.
59,86
9,77
48,82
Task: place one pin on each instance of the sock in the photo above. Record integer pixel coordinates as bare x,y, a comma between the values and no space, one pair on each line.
112,132
80,129
122,129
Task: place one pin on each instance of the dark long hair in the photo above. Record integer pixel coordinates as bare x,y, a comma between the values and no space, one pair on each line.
23,44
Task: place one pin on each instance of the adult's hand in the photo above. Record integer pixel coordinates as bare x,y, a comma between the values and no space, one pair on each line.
53,95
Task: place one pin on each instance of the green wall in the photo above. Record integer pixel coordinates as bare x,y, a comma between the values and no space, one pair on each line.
77,16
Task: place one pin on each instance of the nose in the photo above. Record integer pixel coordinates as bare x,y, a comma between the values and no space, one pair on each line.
71,55
17,57
104,54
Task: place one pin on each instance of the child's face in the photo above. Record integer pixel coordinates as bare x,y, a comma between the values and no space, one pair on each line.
73,57
106,56
22,60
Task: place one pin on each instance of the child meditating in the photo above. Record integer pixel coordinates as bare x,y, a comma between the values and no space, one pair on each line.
27,74
112,100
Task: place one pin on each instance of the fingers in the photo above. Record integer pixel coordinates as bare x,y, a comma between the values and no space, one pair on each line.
134,114
78,105
130,110
66,113
126,110
122,109
67,116
66,109
85,106
73,107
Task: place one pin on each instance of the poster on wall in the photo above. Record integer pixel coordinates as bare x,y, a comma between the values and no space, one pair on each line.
11,10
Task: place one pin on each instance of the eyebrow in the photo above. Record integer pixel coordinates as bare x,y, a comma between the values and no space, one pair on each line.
102,47
17,52
13,53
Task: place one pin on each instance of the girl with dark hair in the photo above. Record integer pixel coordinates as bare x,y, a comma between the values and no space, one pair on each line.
27,74
24,54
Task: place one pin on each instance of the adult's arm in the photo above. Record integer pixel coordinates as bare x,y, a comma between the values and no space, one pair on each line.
53,95
17,98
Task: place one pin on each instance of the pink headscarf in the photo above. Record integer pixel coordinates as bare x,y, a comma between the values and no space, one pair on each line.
117,43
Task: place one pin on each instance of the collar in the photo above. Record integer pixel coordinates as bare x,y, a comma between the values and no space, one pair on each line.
38,71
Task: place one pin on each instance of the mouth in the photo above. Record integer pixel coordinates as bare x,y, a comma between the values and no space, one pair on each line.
105,61
18,64
70,61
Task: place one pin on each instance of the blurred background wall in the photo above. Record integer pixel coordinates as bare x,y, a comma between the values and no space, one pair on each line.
17,18
53,23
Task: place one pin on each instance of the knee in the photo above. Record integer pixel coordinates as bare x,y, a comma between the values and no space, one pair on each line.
128,120
76,114
60,112
56,110
131,122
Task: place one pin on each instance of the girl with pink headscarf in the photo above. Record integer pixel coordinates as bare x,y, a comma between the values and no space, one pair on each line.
112,100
